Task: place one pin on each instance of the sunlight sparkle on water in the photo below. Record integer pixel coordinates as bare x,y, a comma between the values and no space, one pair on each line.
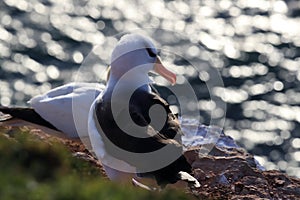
232,95
52,72
296,143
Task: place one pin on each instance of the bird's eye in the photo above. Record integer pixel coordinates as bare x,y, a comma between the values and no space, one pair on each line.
150,52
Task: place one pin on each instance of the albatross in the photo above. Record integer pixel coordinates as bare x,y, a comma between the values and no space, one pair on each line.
55,109
131,128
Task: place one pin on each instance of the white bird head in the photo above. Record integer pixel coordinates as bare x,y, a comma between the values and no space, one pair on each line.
132,59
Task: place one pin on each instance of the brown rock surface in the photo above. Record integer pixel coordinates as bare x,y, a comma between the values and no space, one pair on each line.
232,174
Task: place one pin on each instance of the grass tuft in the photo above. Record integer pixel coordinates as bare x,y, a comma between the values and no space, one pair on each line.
38,170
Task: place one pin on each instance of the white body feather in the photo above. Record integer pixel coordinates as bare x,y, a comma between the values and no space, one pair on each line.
67,107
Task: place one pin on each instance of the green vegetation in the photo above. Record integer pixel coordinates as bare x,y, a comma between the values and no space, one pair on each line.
38,170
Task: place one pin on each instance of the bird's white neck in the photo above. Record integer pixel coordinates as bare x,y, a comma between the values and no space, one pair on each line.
130,83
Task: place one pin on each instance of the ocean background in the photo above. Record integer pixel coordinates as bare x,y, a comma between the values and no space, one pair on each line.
241,58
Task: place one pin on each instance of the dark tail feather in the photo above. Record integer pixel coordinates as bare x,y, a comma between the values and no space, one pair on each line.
27,114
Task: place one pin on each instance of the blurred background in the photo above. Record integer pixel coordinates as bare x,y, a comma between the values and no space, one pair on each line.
254,45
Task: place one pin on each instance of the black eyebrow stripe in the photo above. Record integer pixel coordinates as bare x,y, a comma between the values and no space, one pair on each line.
150,52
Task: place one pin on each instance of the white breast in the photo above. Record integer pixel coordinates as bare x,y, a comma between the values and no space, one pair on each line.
114,167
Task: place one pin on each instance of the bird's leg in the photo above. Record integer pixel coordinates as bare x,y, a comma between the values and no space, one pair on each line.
184,176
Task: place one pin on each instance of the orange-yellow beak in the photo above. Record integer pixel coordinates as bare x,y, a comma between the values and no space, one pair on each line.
164,72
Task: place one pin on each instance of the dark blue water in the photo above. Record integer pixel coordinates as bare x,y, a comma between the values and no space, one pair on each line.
253,44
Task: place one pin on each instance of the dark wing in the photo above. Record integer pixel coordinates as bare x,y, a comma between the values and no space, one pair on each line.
138,134
149,138
155,110
27,114
169,134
